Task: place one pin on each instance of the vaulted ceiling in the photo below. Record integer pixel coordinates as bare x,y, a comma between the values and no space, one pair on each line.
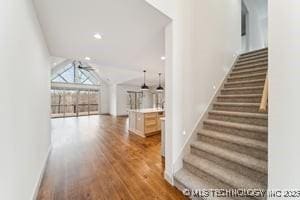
132,34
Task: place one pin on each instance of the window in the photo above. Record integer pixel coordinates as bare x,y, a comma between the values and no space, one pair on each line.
72,103
59,79
68,75
79,96
73,74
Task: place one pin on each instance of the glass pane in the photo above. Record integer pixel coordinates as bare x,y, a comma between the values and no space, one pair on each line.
81,77
67,103
70,103
83,103
69,75
58,79
94,102
57,101
88,82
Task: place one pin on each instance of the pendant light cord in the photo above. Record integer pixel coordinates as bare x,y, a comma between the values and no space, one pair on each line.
159,78
144,77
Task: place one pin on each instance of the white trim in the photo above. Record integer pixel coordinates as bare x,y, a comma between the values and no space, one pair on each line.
177,165
39,182
74,86
169,177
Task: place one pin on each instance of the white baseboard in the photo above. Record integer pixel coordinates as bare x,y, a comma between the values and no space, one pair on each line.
38,184
169,177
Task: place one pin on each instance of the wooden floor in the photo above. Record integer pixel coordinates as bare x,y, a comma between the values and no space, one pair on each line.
95,158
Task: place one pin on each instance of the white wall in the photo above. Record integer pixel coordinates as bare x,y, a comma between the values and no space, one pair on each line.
24,100
258,26
284,95
201,41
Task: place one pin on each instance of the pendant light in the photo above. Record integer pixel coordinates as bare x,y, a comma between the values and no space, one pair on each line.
159,88
144,86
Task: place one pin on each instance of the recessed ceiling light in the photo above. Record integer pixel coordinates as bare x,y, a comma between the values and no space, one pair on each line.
54,64
163,58
98,36
87,58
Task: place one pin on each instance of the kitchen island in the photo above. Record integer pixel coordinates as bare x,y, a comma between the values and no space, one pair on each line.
145,122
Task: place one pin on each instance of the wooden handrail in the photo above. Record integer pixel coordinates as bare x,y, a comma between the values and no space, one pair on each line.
264,99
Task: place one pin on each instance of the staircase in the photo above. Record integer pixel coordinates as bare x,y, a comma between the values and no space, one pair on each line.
232,151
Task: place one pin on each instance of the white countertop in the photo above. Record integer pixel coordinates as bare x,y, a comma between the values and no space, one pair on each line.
148,110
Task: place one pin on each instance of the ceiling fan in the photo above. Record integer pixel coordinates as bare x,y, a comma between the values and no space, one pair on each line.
83,66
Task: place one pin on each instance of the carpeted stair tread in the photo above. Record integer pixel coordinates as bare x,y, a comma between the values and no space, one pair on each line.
237,107
255,52
253,61
241,114
259,119
260,129
253,57
247,76
240,95
231,149
227,176
265,52
241,65
245,71
263,146
242,159
241,82
237,104
250,66
247,98
243,88
190,181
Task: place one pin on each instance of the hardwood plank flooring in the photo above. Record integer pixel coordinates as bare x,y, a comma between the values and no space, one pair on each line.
95,158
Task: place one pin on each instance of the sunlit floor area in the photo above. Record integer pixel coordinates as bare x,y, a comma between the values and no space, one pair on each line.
94,157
